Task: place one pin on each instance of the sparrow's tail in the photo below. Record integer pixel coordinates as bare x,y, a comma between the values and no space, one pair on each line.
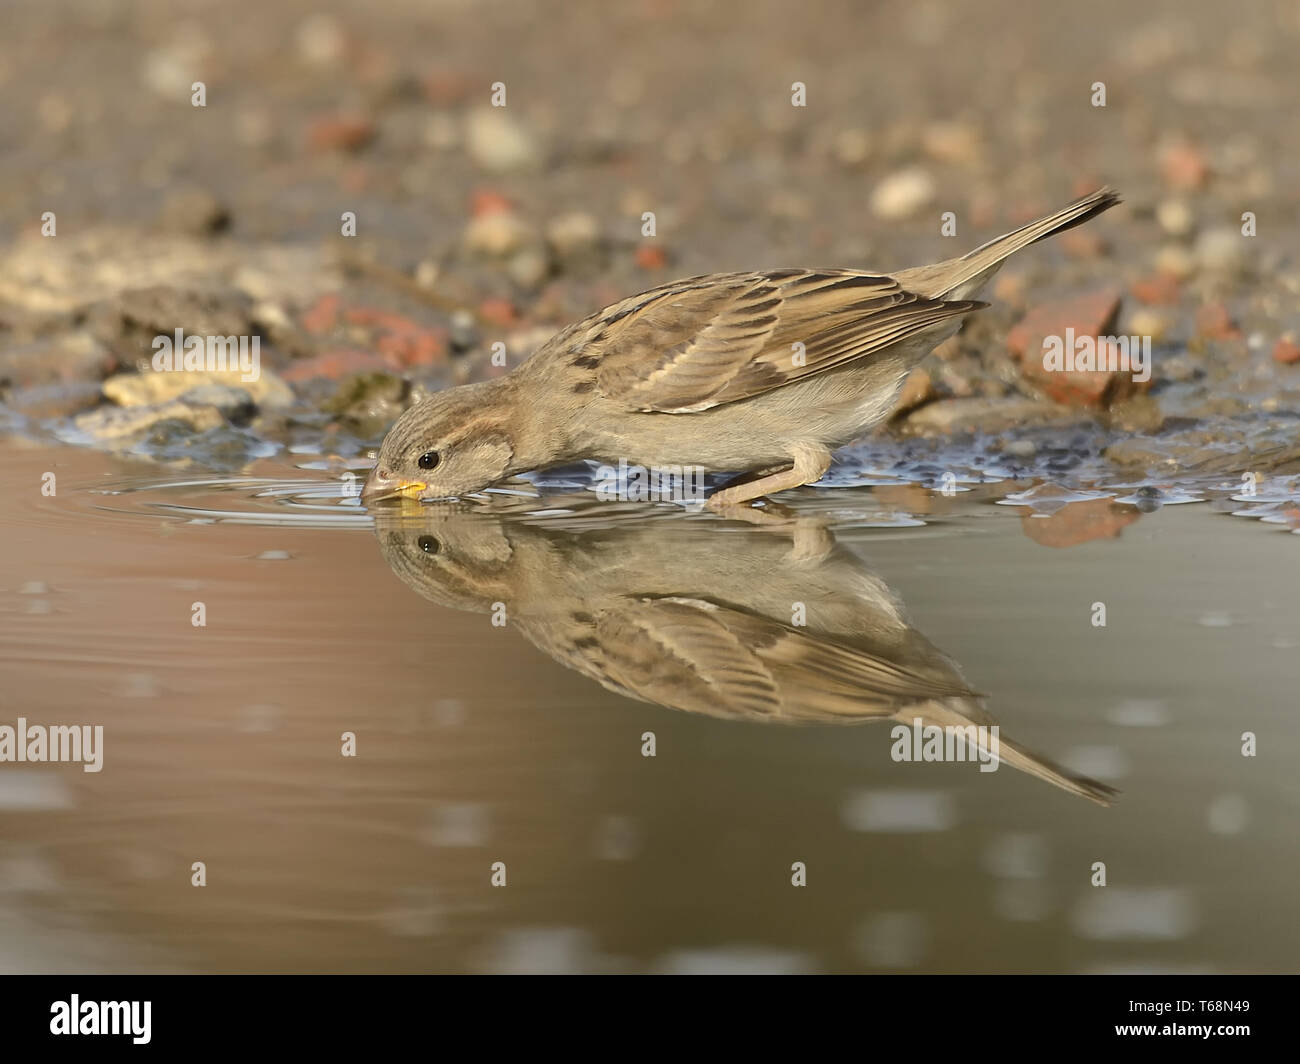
959,712
963,277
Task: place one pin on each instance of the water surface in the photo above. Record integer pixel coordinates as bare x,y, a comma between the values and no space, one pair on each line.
522,741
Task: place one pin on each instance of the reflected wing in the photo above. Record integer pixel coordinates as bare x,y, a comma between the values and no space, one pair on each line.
709,658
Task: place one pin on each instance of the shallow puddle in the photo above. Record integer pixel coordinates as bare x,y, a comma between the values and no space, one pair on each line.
503,667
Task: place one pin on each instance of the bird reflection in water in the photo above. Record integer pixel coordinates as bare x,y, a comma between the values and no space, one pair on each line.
771,623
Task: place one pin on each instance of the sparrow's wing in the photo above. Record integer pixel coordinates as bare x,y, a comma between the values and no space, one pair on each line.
698,343
708,658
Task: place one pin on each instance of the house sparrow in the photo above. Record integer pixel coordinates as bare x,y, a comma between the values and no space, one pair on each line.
760,373
728,621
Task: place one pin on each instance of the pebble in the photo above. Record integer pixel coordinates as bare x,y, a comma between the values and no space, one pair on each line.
1214,322
1160,289
143,389
497,234
1020,448
194,212
902,194
235,404
1175,217
1148,323
348,133
984,415
1286,351
1183,165
464,330
320,40
500,144
113,423
575,238
851,147
952,142
1221,250
529,268
1176,261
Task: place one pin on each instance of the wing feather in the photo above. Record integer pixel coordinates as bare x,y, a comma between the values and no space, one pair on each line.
705,341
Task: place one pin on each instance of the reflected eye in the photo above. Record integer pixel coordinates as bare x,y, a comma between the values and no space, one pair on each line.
428,544
428,460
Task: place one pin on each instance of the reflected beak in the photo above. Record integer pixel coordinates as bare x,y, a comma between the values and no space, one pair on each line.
377,487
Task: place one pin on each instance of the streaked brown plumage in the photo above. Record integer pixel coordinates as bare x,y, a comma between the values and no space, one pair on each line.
695,616
768,371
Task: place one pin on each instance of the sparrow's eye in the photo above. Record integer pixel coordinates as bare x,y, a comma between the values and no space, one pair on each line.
428,460
428,544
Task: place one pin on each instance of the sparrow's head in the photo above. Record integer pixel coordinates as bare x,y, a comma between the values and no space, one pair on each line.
453,443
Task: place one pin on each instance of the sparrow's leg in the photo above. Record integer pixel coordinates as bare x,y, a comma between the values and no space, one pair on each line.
811,460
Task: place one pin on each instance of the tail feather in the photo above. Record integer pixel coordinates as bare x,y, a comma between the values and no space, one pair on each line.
963,277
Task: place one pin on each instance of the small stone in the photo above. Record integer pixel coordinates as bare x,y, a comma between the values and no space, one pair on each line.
194,212
902,194
347,133
335,363
918,388
1184,165
500,144
1160,289
274,556
948,416
369,400
1175,217
1286,350
114,423
1149,323
489,201
464,330
1087,314
497,311
1176,261
529,268
64,358
651,257
235,404
155,386
320,40
1214,322
34,587
497,234
575,240
1090,315
322,315
851,147
1020,448
1221,250
952,142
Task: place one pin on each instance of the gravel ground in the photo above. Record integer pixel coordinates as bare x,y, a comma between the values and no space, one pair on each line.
480,225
